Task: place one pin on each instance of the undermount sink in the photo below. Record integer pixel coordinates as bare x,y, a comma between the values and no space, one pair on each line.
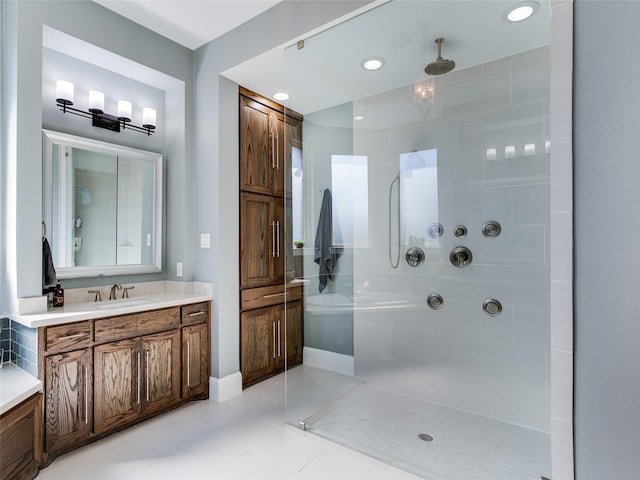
125,302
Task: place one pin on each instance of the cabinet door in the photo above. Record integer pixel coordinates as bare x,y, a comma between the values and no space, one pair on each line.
258,344
161,379
257,240
293,329
195,360
280,240
257,147
118,369
68,405
277,127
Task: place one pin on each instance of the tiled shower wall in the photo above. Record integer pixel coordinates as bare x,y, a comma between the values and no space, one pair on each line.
20,345
458,356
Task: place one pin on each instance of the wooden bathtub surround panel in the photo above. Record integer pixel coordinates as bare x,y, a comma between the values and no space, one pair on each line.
21,440
67,337
126,326
116,384
69,388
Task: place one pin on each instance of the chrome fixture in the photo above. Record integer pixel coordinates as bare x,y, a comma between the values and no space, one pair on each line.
435,301
460,257
394,264
125,293
460,231
492,307
435,230
64,100
98,293
415,257
491,229
112,293
440,65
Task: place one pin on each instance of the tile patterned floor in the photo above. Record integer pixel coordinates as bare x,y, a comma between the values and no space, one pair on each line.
248,438
465,446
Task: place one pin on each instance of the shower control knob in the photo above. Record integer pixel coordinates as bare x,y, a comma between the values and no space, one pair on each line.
492,307
435,301
435,230
491,229
460,257
460,231
415,256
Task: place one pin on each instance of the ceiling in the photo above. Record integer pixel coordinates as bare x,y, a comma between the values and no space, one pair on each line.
191,23
327,71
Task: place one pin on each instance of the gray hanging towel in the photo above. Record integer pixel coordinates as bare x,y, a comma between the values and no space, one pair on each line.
324,254
49,277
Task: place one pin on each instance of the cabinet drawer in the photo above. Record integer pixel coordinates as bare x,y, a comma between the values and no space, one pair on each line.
70,336
196,313
271,295
127,326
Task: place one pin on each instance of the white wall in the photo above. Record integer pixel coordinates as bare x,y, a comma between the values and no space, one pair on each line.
458,356
607,229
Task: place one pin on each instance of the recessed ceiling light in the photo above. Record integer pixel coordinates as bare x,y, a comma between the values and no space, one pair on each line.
520,11
358,117
372,63
281,96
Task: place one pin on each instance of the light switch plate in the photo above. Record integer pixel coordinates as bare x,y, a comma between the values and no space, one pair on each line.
179,269
205,240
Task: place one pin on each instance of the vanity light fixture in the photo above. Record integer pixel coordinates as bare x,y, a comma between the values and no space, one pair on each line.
64,100
520,11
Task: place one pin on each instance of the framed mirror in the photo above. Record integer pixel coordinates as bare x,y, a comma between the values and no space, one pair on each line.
102,206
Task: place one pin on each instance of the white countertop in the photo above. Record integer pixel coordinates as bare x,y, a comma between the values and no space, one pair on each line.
75,312
16,385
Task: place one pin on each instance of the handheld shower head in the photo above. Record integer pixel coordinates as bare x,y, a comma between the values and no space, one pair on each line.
440,65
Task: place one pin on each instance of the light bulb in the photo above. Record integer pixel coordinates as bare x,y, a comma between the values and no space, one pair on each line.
96,101
64,92
149,118
124,110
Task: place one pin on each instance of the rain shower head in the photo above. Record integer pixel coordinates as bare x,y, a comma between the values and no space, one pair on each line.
440,65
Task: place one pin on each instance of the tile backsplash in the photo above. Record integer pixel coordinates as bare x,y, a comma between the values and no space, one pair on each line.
19,345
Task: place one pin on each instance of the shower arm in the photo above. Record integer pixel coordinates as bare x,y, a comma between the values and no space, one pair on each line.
397,261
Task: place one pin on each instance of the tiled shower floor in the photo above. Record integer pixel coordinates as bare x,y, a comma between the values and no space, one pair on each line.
465,446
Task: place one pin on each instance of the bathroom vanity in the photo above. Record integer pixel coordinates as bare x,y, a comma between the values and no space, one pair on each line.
107,365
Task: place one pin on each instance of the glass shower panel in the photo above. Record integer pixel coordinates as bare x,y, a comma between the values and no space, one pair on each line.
450,388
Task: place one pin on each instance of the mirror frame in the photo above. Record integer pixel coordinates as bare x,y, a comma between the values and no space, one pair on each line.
49,138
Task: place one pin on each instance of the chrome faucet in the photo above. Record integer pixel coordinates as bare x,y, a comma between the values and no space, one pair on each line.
125,294
112,295
98,293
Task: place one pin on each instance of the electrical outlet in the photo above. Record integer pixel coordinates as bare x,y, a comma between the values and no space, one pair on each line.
179,269
205,240
148,239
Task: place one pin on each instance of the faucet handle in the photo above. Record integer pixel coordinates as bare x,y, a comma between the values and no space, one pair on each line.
125,293
98,295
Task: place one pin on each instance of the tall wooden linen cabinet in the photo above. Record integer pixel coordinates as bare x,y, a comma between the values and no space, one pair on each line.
271,313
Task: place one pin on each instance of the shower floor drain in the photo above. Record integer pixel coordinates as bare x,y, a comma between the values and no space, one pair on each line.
425,436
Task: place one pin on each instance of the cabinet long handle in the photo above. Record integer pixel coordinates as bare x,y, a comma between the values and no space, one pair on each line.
278,238
196,314
86,395
273,149
69,337
188,363
279,338
147,369
273,238
138,378
273,325
277,151
274,295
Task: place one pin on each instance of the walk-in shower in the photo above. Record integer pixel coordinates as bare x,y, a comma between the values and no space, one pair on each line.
429,349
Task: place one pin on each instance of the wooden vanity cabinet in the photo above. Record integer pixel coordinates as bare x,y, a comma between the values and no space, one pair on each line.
68,399
20,440
130,368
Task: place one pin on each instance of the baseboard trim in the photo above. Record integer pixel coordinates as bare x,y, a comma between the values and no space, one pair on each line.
222,389
335,362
